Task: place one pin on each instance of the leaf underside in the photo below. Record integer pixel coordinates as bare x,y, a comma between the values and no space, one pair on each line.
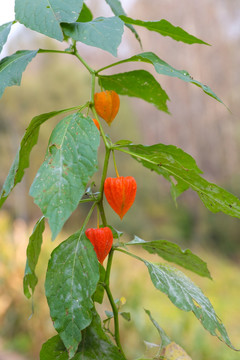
188,297
154,158
70,162
103,33
21,161
45,16
71,280
173,253
4,32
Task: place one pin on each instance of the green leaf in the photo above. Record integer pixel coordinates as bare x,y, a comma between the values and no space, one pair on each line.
214,197
45,16
33,251
95,345
21,161
185,295
164,338
4,32
137,83
99,293
164,68
173,253
85,14
165,28
12,67
103,33
70,162
126,315
117,9
54,349
71,280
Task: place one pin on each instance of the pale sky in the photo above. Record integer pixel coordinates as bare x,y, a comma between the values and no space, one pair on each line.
6,11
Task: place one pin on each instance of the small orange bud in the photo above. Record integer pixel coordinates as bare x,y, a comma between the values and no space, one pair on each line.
107,105
96,123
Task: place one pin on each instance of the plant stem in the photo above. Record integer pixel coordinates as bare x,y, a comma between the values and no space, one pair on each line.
89,215
111,65
112,302
128,253
83,61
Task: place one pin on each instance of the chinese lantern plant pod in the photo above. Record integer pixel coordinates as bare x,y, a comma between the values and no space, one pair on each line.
80,267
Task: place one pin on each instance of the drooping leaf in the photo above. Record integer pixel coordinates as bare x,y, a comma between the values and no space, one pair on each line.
137,83
70,162
95,345
12,67
71,280
4,32
164,338
33,251
45,16
21,161
164,68
173,253
185,295
85,14
117,9
99,293
103,33
214,197
54,349
165,28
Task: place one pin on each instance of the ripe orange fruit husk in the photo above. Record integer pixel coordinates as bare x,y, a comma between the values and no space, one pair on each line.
120,193
96,123
102,240
107,105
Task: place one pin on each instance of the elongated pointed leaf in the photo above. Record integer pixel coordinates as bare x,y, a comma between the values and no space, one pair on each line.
165,28
137,83
21,161
164,68
4,32
103,33
71,280
188,297
173,253
45,16
70,162
164,338
214,197
95,345
117,9
12,67
33,251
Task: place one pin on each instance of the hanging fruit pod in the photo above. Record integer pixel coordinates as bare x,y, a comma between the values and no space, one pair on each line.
102,240
107,105
120,193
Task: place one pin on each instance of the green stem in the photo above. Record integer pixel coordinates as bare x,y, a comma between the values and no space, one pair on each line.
40,51
128,253
83,61
89,215
112,302
111,65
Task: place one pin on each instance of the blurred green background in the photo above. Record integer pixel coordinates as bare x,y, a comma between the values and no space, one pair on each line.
199,125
